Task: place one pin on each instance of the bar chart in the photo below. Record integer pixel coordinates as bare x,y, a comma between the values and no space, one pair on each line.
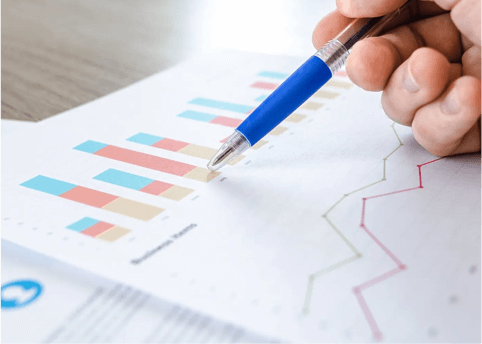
98,229
143,184
177,146
148,161
93,198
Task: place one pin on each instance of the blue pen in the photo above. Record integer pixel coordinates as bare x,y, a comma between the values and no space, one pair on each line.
300,86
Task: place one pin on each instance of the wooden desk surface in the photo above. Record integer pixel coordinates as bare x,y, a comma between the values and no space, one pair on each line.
57,55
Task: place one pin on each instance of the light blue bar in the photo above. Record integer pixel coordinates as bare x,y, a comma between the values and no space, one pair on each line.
124,179
198,116
145,139
274,75
90,146
48,185
261,98
216,104
83,224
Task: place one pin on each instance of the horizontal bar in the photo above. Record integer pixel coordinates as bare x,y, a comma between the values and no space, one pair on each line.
97,229
295,118
88,196
177,146
133,209
127,180
113,234
105,201
83,224
51,186
146,185
264,85
226,121
261,98
325,94
216,104
274,75
144,160
339,84
145,139
198,116
156,188
311,106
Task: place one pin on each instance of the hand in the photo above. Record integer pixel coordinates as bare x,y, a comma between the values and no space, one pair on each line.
429,70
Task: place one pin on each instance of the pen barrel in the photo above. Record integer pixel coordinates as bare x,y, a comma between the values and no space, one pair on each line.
293,92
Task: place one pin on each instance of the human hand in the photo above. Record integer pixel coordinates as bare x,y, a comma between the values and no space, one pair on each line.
429,70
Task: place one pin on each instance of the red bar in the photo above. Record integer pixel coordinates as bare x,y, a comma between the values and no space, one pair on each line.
98,228
88,196
226,121
169,144
156,188
145,160
265,85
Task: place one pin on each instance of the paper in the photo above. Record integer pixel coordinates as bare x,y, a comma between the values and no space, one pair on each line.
79,307
338,227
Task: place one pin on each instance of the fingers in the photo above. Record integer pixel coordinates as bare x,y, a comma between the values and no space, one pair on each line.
328,27
471,61
418,81
466,16
367,8
373,60
449,125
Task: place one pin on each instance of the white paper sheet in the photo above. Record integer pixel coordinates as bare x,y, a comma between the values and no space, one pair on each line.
339,229
85,308
77,307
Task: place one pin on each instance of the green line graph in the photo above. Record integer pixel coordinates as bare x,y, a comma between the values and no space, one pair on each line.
356,254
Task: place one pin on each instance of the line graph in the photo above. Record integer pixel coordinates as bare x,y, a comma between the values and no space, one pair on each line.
356,254
357,290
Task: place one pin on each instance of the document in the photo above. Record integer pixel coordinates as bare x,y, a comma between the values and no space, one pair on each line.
337,226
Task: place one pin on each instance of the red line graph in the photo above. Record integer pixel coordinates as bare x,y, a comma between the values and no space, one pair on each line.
357,290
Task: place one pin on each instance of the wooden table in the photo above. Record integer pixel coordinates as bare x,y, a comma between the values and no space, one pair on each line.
59,54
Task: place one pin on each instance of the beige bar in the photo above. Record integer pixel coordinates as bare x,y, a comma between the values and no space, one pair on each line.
259,144
278,131
176,193
326,94
340,84
236,160
201,174
134,209
295,118
311,106
198,151
113,234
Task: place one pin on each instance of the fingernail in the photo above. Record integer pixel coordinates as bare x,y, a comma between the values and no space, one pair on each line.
450,105
409,83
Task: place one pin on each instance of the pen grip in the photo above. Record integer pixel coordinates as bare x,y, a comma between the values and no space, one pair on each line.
293,92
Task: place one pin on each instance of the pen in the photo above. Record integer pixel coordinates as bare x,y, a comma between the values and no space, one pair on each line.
299,86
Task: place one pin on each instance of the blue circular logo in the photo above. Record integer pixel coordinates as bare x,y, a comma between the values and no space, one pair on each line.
20,293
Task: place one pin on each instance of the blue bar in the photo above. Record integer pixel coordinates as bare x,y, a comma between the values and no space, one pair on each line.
261,98
198,116
48,185
145,139
216,104
124,179
274,75
83,224
90,146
